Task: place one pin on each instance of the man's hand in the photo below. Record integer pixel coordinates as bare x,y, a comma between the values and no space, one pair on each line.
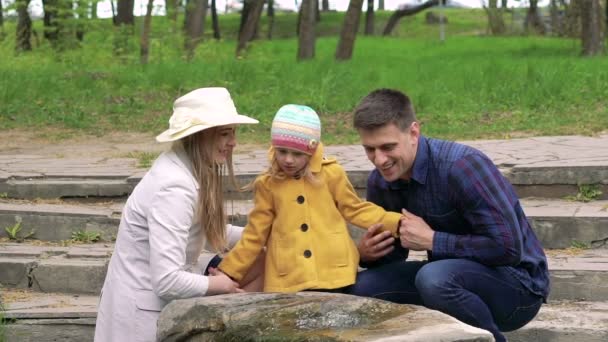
374,245
414,233
220,283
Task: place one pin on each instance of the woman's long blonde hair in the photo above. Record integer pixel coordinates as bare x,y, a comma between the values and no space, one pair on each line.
200,148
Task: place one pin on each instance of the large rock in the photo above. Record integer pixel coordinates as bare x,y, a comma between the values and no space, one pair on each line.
307,316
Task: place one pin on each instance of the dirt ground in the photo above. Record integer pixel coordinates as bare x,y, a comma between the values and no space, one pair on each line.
117,144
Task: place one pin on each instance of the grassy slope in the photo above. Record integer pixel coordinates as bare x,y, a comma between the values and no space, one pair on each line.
468,87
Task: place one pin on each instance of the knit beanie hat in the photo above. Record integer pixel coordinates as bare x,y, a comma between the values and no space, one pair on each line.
296,127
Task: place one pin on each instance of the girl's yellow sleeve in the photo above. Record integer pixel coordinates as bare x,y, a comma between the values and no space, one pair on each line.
239,260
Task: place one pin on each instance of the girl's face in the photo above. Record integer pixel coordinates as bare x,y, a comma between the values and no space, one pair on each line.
291,162
226,141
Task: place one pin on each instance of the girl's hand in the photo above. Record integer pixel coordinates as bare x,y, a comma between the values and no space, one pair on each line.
220,283
375,244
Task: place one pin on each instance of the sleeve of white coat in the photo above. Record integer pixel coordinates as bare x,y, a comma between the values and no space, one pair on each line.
169,221
233,234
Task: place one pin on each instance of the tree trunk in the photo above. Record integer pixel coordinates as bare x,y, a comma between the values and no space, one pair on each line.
172,7
317,11
1,17
50,20
114,20
405,12
572,21
533,18
81,13
369,18
250,26
495,19
592,33
270,14
144,46
380,5
57,14
125,12
556,22
214,22
196,25
348,34
24,27
93,5
306,38
504,4
247,6
325,5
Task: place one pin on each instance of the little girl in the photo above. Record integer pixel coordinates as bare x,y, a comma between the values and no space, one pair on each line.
302,203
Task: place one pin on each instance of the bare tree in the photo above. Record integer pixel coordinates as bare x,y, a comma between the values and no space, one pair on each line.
114,20
533,19
572,20
1,20
592,27
144,45
306,37
369,18
214,21
247,5
346,44
93,5
172,7
196,25
405,12
496,22
24,27
250,26
125,12
270,15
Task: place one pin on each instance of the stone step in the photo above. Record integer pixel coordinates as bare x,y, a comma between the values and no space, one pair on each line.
34,316
566,321
575,274
558,223
547,181
57,220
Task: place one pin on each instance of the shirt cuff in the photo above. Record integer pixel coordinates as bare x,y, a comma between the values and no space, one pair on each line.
443,245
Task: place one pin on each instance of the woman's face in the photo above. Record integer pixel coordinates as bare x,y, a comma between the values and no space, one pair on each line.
226,140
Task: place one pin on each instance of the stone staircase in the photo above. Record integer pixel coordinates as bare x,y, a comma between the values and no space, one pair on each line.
50,287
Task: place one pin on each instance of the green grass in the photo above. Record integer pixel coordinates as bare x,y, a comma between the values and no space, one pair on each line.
469,87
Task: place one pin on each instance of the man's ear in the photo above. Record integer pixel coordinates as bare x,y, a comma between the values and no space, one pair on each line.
415,131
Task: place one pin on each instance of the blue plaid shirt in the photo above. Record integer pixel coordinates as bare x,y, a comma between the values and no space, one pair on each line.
472,208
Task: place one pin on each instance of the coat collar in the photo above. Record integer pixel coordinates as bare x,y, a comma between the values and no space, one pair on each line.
316,160
177,155
421,162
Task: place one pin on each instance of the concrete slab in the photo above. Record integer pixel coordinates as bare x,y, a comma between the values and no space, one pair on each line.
558,223
566,321
540,166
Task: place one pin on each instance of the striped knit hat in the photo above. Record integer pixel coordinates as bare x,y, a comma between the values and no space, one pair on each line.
296,127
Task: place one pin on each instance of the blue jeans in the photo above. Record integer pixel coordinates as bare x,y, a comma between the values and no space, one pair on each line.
473,293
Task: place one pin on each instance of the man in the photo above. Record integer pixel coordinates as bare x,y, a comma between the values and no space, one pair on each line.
485,265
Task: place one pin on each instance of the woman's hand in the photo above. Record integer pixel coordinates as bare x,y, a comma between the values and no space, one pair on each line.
220,283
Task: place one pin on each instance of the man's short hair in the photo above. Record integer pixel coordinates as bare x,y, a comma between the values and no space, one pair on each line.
382,107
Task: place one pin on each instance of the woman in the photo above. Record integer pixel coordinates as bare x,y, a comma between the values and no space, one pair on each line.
172,212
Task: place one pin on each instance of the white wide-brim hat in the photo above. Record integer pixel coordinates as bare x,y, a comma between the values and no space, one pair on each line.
201,109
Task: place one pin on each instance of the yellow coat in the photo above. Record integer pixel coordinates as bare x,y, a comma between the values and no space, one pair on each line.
303,225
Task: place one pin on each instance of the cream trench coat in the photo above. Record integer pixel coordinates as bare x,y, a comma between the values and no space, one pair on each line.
157,253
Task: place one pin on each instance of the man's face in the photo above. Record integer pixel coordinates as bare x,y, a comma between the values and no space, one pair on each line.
391,150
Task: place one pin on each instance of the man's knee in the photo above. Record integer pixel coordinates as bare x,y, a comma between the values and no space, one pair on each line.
434,281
